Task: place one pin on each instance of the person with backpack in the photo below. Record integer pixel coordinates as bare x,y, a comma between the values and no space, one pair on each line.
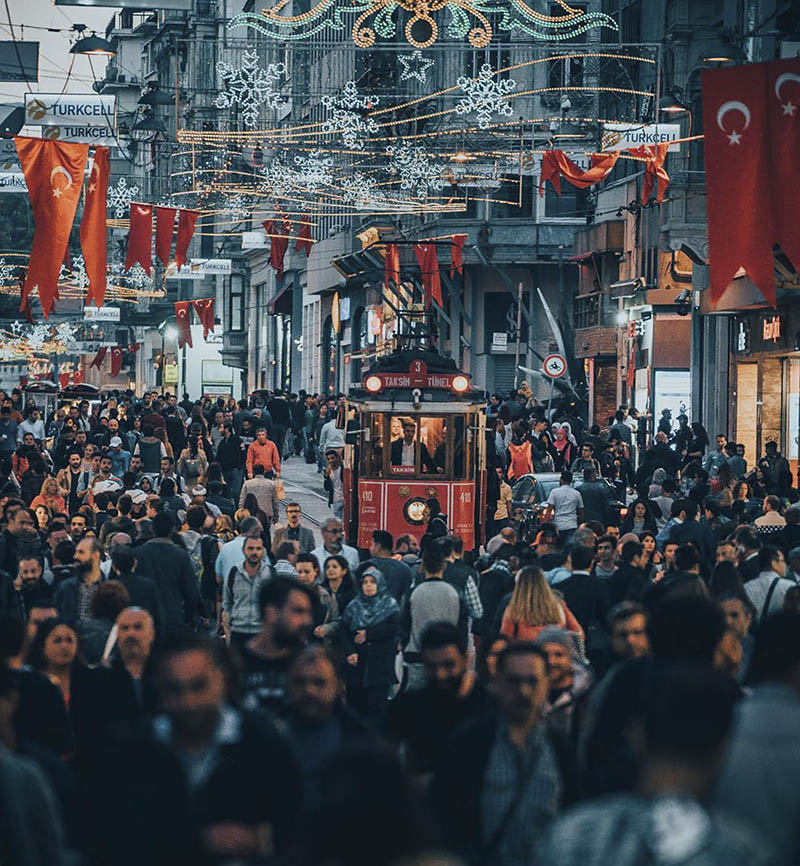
203,550
241,611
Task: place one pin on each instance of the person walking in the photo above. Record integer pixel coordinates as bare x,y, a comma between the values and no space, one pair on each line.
241,612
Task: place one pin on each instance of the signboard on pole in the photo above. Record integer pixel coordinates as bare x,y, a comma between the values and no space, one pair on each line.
208,267
85,109
499,341
554,366
627,136
19,61
184,272
254,240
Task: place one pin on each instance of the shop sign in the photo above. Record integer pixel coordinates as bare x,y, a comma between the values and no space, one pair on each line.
101,314
55,109
743,337
211,266
771,328
627,136
170,374
12,181
499,341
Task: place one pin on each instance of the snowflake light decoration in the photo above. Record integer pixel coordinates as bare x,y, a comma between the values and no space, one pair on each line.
345,117
250,87
314,170
37,336
472,19
79,277
279,179
418,174
120,197
236,207
414,66
485,95
7,272
65,334
360,190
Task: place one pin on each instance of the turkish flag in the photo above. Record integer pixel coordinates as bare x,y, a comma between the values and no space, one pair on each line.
63,380
304,239
54,175
116,360
165,225
429,272
77,377
278,245
183,320
783,109
555,164
204,307
740,221
457,255
139,237
93,229
99,357
391,265
133,348
186,224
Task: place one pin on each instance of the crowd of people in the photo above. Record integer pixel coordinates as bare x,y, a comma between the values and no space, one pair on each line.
187,674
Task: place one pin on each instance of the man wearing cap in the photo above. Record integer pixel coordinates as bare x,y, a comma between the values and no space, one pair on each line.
570,684
120,458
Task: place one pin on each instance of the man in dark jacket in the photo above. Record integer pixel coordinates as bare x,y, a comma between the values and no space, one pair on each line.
278,409
502,779
169,565
143,591
584,594
190,785
688,530
230,456
596,496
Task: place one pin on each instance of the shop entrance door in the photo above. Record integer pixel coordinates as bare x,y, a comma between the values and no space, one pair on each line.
747,410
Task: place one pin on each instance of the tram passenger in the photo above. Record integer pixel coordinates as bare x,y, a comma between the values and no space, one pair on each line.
404,451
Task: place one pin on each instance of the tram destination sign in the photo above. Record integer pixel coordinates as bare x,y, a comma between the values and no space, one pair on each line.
416,377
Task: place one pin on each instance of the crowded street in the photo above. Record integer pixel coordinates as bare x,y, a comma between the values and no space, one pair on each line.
399,433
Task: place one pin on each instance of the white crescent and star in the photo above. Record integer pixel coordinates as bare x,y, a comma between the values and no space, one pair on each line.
144,211
788,107
58,191
734,137
93,186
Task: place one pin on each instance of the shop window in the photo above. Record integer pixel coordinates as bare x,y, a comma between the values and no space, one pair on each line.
570,205
236,303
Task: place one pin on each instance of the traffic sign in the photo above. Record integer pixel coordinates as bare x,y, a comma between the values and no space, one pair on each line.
554,366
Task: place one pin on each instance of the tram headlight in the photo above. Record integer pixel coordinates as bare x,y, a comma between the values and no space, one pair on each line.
414,511
373,384
460,383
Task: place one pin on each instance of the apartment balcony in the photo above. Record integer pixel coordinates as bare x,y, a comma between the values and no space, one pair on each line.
234,349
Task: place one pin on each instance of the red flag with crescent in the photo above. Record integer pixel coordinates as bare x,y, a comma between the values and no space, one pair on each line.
165,225
183,321
655,175
186,223
783,109
54,175
429,272
99,357
93,229
116,360
140,237
556,164
304,239
278,244
204,307
457,255
740,217
77,377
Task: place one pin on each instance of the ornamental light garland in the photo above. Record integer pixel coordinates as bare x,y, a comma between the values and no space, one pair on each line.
250,87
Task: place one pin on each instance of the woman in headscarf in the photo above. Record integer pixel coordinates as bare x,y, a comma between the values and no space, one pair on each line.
565,452
369,635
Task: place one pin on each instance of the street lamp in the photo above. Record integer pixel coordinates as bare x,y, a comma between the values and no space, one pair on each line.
93,45
155,96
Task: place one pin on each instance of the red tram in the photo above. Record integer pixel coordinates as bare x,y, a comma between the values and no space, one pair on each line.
415,432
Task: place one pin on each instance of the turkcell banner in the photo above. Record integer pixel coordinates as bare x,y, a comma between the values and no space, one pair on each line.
12,181
58,109
104,135
629,136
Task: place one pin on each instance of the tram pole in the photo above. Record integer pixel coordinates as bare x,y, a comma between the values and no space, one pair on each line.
519,333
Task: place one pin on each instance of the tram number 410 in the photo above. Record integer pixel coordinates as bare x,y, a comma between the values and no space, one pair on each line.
366,495
466,496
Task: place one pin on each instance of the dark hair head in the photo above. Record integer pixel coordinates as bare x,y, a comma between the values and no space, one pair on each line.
766,556
310,558
686,627
36,653
215,488
688,709
163,525
433,506
748,539
686,557
522,648
726,581
432,561
581,558
148,430
630,550
124,504
123,558
608,539
195,517
110,600
258,469
443,634
102,500
383,539
276,592
64,552
443,546
167,487
777,651
285,549
566,477
12,636
622,611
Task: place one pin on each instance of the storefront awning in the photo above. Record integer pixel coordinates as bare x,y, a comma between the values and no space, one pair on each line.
281,304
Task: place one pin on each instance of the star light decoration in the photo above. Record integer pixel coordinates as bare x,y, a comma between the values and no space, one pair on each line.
250,87
345,118
414,66
119,198
485,95
464,18
418,173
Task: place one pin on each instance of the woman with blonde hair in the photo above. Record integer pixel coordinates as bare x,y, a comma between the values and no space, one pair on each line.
534,606
224,529
49,495
239,515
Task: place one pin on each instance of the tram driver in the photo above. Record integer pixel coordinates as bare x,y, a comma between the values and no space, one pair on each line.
404,450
